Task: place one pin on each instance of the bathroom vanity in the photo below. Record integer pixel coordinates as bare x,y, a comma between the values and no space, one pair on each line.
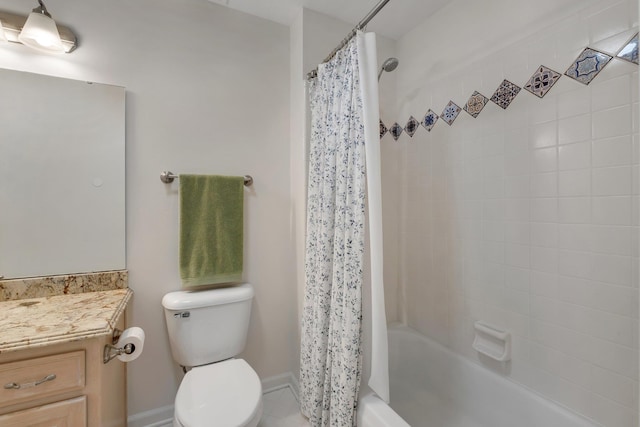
51,359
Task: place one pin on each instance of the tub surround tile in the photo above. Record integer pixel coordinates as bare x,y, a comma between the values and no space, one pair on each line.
450,113
542,81
37,322
395,131
412,126
429,120
587,66
35,287
505,93
475,104
383,129
630,51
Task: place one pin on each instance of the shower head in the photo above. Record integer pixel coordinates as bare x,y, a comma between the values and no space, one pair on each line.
389,65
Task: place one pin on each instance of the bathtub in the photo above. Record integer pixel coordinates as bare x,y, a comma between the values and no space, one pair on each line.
433,387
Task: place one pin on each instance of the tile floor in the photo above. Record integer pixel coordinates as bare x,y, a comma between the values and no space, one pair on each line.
281,409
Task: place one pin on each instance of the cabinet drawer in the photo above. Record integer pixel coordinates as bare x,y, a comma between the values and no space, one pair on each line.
41,377
68,413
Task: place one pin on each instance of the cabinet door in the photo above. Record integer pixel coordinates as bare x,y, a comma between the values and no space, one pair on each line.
68,413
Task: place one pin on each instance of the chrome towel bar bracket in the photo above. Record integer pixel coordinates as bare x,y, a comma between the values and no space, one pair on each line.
167,177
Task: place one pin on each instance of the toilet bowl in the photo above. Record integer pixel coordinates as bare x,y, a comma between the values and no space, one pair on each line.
223,394
207,330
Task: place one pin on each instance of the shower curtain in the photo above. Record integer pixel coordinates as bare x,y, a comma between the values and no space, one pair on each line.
343,146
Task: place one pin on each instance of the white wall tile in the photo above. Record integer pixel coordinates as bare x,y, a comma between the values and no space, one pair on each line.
544,209
614,181
543,134
517,163
574,210
609,413
575,237
544,284
544,160
544,234
493,230
517,209
611,239
517,232
544,184
574,129
575,264
574,182
612,122
612,151
574,156
544,259
608,22
517,186
611,93
574,103
517,255
611,269
543,200
518,279
611,210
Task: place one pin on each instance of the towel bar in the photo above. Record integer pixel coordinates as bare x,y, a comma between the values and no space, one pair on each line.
167,177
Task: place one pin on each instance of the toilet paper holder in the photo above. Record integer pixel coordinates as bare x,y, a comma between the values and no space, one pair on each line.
110,351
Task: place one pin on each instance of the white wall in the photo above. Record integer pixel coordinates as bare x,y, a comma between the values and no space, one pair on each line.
207,92
526,218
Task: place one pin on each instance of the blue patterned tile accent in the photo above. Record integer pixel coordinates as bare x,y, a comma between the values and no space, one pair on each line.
395,130
450,112
542,81
412,126
630,50
383,129
429,120
475,104
587,66
505,93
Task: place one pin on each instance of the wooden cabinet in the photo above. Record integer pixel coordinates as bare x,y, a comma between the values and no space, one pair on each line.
84,391
68,413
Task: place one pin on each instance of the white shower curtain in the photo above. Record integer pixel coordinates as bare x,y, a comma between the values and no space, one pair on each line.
341,125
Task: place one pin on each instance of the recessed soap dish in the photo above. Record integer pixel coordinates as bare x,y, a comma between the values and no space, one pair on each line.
492,342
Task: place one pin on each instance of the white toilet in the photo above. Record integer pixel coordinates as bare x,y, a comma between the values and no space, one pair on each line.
206,330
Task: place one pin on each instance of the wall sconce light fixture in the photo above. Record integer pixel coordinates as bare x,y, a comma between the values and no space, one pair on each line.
38,31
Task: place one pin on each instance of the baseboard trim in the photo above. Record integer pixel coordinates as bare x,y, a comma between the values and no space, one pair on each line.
158,417
163,416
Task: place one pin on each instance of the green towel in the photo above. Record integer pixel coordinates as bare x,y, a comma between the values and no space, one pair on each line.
211,229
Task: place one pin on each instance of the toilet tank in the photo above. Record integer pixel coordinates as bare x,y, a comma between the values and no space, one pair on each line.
209,325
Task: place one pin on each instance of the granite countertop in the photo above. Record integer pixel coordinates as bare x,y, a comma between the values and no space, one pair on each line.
36,322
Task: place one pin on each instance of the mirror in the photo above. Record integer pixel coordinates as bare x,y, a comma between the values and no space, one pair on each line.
62,176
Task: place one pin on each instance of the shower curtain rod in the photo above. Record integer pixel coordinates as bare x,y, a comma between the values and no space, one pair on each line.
373,12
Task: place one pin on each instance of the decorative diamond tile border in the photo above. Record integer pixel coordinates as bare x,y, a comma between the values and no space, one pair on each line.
541,81
450,112
412,126
584,69
429,120
383,129
505,93
475,104
395,130
587,66
630,51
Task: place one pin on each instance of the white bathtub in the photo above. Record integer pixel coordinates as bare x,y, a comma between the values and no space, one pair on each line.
433,387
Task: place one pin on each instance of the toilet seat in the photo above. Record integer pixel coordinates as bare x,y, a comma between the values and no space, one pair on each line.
229,393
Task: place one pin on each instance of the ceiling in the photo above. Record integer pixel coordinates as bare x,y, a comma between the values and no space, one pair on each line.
396,19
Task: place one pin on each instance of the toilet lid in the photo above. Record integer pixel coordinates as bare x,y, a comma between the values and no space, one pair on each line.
228,393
